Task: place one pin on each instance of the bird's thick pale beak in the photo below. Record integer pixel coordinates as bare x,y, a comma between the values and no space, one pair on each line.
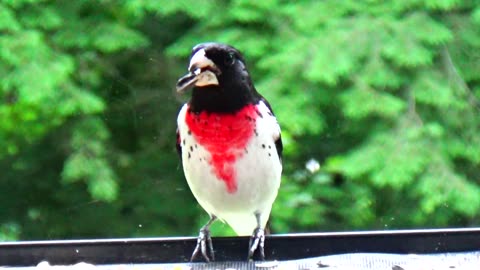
202,72
185,82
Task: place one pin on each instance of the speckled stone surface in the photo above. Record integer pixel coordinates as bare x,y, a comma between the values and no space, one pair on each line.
354,261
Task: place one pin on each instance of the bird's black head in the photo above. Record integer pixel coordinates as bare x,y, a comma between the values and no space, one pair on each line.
219,78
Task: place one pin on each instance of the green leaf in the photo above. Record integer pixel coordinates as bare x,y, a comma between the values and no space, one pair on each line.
23,47
433,88
394,158
88,161
377,73
362,101
467,147
441,4
112,37
77,100
195,9
476,16
7,19
10,231
41,17
406,51
314,13
428,30
21,3
103,185
451,189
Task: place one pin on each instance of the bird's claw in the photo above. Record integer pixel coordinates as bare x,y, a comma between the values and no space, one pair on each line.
204,246
257,241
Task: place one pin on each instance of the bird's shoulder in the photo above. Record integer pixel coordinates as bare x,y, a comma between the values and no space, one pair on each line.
180,122
265,107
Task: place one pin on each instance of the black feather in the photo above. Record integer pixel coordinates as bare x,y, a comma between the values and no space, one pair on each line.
179,144
235,89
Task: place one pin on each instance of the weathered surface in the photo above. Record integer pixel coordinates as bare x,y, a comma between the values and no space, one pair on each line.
358,261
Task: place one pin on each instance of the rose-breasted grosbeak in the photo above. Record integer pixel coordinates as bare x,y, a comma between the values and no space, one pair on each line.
230,145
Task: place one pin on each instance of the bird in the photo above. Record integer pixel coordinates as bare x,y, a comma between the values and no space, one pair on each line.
230,145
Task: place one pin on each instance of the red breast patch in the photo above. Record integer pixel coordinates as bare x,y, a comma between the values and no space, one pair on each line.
225,137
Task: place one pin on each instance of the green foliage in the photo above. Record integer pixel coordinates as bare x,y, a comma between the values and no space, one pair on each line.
384,94
9,232
88,160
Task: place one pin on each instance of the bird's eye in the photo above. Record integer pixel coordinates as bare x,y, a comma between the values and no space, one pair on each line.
230,59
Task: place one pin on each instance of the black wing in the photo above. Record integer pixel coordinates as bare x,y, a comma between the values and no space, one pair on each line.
179,145
279,146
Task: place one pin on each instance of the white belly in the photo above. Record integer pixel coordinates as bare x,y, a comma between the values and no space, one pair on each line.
257,173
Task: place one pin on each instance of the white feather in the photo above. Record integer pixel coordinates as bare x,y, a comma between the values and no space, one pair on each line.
258,176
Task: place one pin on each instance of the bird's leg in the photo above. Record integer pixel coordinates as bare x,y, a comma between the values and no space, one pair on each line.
257,241
204,241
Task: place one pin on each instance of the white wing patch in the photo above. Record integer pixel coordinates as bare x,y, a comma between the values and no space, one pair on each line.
273,124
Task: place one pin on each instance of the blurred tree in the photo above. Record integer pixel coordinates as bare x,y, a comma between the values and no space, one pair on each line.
85,148
385,95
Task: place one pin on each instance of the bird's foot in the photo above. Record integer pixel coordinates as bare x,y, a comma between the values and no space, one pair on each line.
257,242
204,246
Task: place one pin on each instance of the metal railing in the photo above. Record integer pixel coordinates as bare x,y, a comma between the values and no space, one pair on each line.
227,249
